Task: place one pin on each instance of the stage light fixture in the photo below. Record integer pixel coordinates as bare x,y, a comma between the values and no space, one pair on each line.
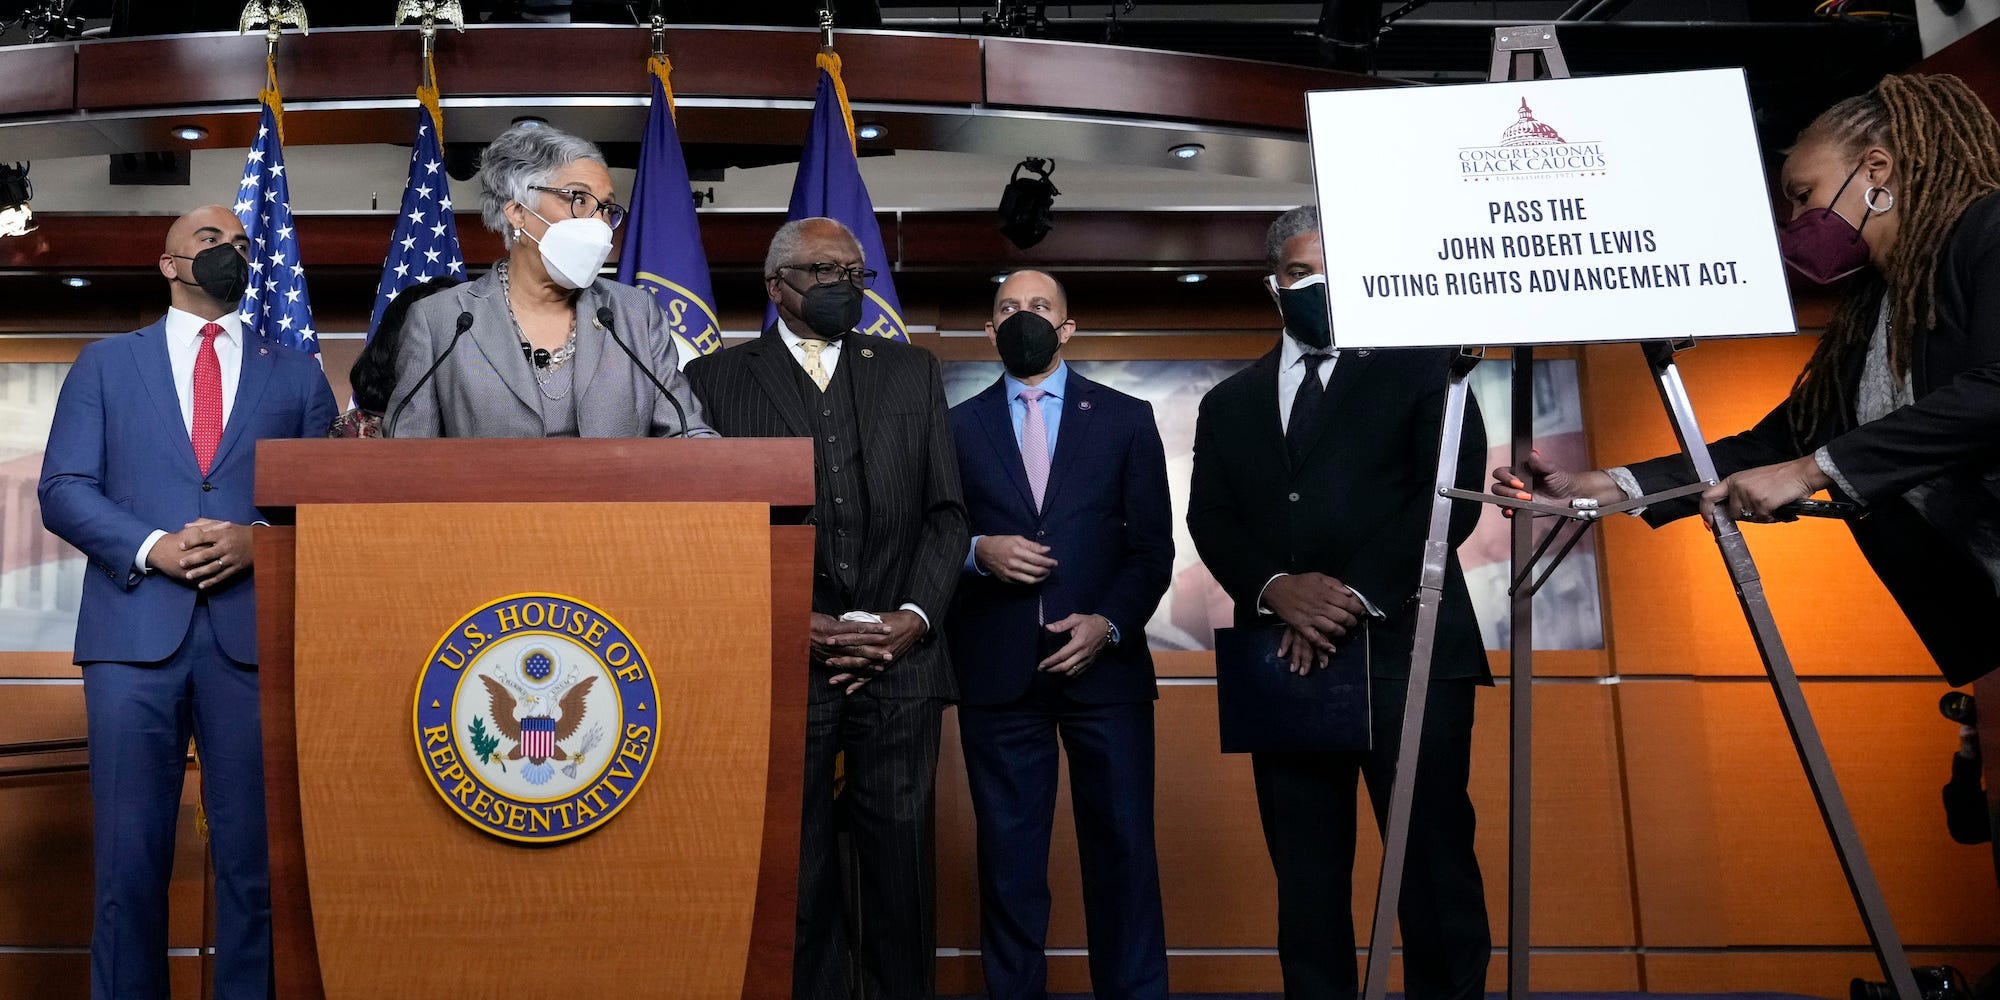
1187,150
190,133
870,130
76,281
1026,204
1192,278
16,191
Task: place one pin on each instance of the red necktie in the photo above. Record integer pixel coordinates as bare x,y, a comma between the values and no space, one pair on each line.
207,399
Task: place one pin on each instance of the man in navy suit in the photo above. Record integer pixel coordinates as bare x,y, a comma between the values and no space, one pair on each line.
148,473
1066,489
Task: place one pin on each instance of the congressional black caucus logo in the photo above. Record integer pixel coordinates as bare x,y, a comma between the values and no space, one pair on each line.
1531,149
535,718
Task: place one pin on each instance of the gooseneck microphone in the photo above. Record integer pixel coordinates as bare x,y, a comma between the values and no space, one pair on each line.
464,324
604,319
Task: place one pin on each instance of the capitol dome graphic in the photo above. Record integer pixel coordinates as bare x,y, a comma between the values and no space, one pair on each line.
1526,131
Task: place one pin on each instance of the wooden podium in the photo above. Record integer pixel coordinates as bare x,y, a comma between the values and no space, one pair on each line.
697,551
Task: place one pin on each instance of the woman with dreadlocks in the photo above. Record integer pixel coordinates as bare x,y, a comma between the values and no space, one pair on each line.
1893,195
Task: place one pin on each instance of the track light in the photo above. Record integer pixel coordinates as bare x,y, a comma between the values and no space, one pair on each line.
1027,202
16,191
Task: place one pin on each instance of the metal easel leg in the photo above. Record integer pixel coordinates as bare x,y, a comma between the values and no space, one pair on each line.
1785,683
1521,692
1430,591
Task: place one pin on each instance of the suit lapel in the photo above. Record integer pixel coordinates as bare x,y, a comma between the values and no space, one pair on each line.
864,368
501,343
1340,386
1077,411
251,379
771,365
590,342
992,407
1265,424
156,371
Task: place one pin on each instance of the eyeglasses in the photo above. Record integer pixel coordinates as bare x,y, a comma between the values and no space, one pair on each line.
583,205
826,273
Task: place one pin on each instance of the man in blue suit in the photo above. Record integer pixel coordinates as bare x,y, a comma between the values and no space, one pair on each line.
1066,489
148,472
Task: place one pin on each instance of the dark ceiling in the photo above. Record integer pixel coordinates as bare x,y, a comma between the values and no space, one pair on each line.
1799,58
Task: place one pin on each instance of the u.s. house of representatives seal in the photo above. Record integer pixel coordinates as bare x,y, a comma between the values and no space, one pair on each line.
535,718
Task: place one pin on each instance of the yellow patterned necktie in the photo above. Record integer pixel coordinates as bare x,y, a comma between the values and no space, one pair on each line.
815,370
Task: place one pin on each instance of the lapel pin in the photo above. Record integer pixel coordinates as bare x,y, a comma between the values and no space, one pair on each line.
867,352
263,350
1085,405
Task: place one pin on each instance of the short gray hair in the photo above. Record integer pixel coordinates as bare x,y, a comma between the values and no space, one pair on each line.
785,243
1303,219
524,157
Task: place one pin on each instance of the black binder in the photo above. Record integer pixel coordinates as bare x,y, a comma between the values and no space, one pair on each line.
1265,707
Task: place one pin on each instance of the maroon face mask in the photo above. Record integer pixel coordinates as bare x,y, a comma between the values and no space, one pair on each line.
1822,245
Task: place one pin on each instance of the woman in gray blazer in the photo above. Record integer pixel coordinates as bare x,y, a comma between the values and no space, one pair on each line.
541,346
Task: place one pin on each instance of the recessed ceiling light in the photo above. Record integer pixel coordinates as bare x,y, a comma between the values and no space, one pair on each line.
1191,278
190,133
1187,150
76,281
999,278
870,130
530,120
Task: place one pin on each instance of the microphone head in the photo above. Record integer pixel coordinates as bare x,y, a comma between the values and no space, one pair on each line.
464,322
604,316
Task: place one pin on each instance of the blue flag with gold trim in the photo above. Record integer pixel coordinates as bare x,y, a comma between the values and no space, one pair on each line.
663,252
829,185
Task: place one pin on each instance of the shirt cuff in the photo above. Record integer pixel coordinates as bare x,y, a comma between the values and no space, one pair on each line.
1368,605
145,549
1261,609
920,614
1627,484
972,558
1824,459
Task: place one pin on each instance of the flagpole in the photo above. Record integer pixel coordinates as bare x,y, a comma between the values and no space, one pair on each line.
829,61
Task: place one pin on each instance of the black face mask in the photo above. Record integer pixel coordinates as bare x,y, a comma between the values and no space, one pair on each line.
1028,344
1305,310
831,310
220,271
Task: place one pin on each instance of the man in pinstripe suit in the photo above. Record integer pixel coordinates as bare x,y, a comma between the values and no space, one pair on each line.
892,535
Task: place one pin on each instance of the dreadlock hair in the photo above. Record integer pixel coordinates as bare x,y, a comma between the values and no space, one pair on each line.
1947,149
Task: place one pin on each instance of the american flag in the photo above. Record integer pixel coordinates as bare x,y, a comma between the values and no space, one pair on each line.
275,305
538,737
425,245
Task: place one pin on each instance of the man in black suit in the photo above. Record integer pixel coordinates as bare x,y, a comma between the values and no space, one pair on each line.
1066,485
1311,501
890,543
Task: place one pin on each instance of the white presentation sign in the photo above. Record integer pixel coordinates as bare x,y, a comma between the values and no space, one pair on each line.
1554,211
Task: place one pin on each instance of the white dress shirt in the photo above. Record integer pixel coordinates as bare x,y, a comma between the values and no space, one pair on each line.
183,345
829,359
1291,372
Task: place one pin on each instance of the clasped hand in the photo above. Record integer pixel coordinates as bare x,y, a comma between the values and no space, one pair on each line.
1317,609
858,652
205,552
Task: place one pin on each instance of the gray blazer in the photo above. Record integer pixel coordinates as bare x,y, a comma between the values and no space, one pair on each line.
485,388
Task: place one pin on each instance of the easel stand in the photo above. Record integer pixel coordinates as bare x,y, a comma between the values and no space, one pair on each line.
1518,54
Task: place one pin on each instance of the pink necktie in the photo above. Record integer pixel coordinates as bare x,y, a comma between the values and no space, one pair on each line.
207,432
1035,444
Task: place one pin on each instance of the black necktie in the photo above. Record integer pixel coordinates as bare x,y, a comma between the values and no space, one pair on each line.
1305,407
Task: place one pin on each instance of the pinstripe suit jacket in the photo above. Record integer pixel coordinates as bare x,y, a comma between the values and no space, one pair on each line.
916,534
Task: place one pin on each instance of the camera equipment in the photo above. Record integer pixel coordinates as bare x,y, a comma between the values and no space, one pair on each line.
1934,982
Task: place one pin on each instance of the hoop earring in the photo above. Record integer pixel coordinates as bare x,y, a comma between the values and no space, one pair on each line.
1868,198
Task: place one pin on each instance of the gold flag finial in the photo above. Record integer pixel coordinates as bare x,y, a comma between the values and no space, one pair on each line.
274,15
